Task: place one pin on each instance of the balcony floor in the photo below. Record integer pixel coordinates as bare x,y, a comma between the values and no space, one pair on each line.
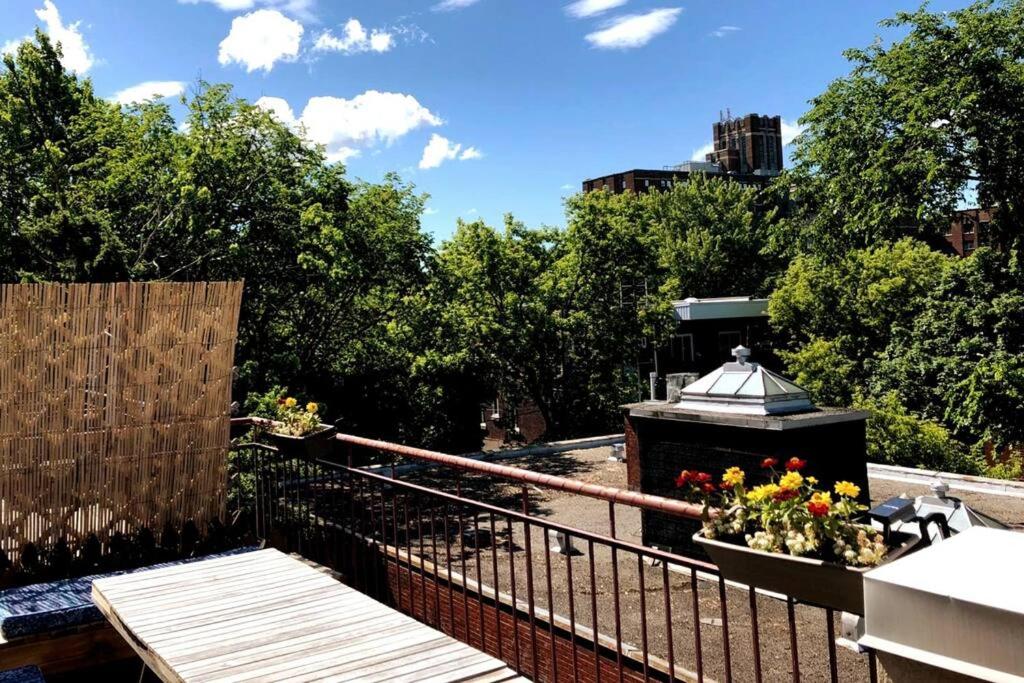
265,616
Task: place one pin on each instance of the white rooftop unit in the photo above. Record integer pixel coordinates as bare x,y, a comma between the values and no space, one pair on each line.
720,308
956,606
744,388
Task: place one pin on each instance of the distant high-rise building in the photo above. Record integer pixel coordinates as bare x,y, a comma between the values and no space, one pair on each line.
747,150
750,144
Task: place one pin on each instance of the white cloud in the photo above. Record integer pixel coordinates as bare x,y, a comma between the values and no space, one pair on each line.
633,30
343,126
355,39
149,90
279,107
260,39
430,211
591,8
723,31
437,151
790,130
301,8
567,186
449,5
701,153
77,56
440,149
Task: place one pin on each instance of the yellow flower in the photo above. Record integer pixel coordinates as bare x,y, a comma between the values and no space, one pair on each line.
733,476
312,407
791,481
762,492
812,480
290,402
848,489
822,497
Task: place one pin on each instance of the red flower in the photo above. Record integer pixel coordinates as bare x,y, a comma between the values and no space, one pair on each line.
784,494
280,401
701,477
684,478
769,462
707,487
817,508
795,464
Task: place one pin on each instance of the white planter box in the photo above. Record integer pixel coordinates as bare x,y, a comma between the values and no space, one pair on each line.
958,606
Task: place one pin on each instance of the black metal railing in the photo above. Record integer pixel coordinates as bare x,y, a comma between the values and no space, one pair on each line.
466,550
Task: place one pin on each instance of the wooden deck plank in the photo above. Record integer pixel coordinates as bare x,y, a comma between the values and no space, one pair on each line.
259,636
234,659
264,616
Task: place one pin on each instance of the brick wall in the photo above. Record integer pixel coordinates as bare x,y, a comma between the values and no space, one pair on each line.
505,633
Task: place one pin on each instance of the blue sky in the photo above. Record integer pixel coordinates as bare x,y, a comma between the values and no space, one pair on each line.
490,106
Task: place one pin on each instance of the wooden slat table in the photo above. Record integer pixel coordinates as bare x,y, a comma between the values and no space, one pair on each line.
264,616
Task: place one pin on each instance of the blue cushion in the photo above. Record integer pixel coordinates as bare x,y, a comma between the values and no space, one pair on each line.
23,674
46,607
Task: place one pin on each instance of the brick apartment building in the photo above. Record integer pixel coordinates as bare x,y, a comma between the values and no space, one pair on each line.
968,230
747,149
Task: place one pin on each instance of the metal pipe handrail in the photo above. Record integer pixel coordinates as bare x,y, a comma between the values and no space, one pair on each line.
610,494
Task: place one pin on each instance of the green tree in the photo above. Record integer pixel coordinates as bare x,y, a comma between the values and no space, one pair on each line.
712,235
90,191
957,361
890,149
835,319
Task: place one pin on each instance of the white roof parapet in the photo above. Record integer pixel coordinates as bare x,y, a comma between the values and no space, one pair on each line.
719,308
744,388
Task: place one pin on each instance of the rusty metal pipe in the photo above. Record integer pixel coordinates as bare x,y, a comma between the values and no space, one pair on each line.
608,493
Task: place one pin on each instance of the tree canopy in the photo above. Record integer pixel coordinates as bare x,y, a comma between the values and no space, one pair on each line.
915,128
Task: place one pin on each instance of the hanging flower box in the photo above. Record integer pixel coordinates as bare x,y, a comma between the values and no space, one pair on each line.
314,446
789,537
815,581
298,433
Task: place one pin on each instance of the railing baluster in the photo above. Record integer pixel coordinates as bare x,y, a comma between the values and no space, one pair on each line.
465,577
423,559
408,554
593,611
615,592
397,543
497,590
641,583
755,636
668,621
448,567
384,546
479,579
830,630
437,570
551,609
528,548
726,650
793,639
698,653
512,588
572,610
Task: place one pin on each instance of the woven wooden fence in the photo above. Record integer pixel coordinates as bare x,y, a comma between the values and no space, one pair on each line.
114,408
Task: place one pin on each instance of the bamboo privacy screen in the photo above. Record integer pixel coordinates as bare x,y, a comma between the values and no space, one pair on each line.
114,407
